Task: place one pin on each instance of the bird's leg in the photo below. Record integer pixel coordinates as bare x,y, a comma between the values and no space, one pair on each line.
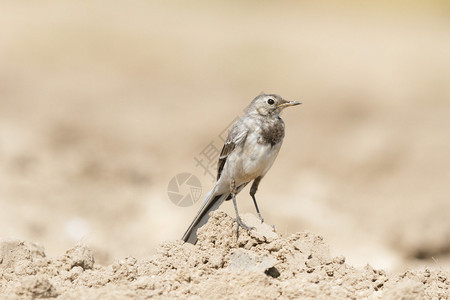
238,218
253,190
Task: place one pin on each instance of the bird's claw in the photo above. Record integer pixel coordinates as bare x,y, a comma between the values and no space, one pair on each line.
261,218
243,225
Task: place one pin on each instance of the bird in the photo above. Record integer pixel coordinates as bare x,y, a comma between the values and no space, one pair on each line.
250,150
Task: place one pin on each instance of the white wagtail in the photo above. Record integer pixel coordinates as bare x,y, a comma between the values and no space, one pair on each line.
250,150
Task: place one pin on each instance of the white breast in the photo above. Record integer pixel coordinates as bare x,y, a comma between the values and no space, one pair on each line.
255,159
249,160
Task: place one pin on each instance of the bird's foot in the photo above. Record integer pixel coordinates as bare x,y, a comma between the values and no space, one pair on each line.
243,225
273,227
261,218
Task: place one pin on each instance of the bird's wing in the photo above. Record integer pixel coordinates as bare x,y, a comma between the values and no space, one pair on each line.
237,135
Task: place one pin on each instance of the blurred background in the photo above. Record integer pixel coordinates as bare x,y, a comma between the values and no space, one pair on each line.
102,103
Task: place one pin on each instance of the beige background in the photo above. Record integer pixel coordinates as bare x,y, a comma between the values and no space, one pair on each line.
103,102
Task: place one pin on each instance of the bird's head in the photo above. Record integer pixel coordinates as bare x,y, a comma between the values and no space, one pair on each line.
269,105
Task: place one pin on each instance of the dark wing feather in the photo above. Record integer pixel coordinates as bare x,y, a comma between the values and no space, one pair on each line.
237,135
228,147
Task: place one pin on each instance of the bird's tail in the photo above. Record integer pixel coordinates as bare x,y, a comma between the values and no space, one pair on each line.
211,203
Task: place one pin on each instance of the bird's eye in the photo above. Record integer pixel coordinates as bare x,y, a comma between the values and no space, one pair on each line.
270,101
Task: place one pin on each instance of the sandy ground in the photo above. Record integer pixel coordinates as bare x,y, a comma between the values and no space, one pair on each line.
259,264
102,103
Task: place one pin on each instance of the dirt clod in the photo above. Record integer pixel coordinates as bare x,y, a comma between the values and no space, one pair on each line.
219,266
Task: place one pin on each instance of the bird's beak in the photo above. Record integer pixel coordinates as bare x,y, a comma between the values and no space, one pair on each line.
288,103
